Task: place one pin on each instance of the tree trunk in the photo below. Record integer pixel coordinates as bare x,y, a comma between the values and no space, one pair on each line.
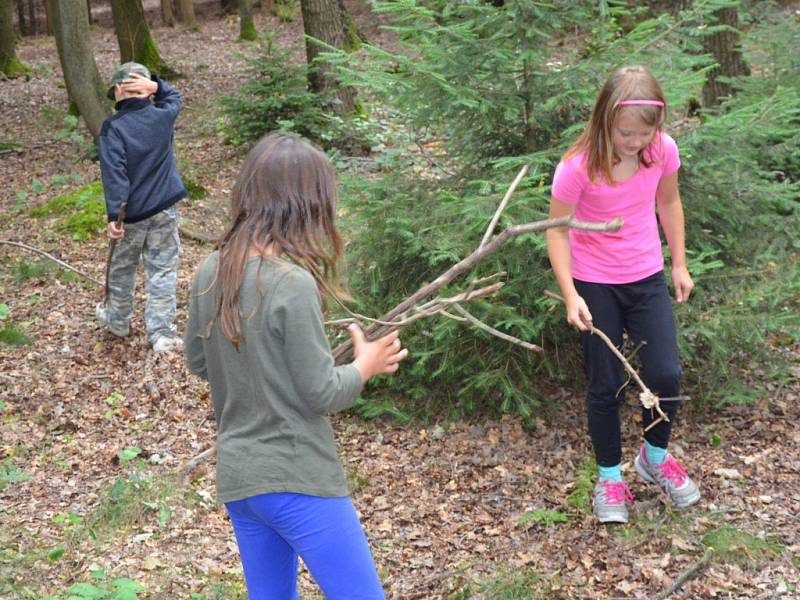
167,13
23,26
48,15
32,17
186,16
247,26
10,64
322,20
352,36
723,44
136,42
84,85
89,12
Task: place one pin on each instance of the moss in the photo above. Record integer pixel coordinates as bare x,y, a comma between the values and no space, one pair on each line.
248,31
14,67
83,210
147,54
734,545
13,337
195,190
353,41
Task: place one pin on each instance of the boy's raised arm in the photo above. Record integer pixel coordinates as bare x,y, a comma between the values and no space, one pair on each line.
167,97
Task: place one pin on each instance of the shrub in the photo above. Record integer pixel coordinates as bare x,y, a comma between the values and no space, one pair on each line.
404,235
495,87
274,96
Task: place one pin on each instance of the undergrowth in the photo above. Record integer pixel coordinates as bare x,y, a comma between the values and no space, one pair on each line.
80,213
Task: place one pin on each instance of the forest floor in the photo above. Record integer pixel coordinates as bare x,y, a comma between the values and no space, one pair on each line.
454,510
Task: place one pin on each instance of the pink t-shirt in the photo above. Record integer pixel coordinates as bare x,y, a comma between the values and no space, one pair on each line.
633,252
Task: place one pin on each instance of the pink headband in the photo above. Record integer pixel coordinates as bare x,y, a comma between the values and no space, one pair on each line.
640,102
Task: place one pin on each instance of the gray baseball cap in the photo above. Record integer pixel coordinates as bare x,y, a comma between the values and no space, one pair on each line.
123,72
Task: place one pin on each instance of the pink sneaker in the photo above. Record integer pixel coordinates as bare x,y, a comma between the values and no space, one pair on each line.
611,500
670,475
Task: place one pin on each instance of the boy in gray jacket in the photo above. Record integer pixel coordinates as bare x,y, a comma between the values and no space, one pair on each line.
138,168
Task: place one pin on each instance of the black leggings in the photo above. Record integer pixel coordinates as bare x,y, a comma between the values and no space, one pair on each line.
643,309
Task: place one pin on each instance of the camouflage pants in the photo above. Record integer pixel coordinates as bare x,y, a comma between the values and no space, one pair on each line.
156,240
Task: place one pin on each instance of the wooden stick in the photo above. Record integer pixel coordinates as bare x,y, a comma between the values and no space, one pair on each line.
647,398
51,257
428,309
503,336
502,206
343,353
112,244
690,573
186,470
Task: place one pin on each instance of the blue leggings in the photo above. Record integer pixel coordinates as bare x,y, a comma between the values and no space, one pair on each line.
272,530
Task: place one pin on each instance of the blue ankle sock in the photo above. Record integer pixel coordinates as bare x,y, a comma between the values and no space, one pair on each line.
610,473
654,454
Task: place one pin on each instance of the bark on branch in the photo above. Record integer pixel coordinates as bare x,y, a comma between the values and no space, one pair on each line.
190,466
343,353
648,399
690,573
51,257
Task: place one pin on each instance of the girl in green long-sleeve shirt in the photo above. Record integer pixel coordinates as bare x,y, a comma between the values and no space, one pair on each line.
255,332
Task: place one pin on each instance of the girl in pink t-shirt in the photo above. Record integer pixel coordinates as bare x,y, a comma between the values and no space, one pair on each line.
624,165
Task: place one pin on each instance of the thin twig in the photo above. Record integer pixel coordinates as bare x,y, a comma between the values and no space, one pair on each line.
503,336
431,162
186,470
502,206
647,398
51,257
428,309
343,353
690,573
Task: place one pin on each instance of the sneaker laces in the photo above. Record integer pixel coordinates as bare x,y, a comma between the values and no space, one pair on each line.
616,492
673,470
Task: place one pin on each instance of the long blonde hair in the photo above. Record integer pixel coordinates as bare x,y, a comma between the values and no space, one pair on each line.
283,204
628,83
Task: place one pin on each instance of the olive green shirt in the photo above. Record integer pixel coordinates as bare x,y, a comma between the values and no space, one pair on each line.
273,395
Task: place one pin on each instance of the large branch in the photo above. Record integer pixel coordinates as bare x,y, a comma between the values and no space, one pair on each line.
343,353
51,257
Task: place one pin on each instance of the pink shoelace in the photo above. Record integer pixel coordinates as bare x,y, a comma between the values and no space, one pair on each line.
616,492
673,471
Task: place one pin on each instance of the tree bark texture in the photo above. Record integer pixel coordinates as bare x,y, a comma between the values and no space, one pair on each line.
247,26
22,24
85,87
48,15
185,13
10,64
322,20
32,29
135,39
723,44
167,13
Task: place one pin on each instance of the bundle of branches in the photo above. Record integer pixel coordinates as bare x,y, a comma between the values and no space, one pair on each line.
420,305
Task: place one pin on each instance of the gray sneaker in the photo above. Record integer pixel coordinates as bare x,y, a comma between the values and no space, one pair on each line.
167,344
670,475
611,499
101,313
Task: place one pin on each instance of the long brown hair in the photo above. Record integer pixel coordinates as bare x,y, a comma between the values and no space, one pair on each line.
628,83
283,204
